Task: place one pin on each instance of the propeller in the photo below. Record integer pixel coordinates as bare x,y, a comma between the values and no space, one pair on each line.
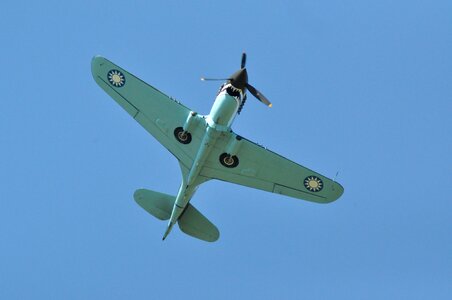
242,65
214,79
258,95
240,80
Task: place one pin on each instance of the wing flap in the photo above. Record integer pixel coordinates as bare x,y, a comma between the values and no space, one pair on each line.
160,133
226,175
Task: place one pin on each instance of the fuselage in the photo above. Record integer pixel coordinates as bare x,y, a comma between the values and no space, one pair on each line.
225,107
223,112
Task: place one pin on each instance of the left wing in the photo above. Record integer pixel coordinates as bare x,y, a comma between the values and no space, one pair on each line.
263,169
155,111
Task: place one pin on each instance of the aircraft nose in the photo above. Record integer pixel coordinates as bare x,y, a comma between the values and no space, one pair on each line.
239,79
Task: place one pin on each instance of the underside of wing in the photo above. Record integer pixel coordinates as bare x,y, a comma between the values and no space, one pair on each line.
159,114
263,169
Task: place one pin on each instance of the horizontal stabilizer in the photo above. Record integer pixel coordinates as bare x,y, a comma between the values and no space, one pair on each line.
193,223
157,204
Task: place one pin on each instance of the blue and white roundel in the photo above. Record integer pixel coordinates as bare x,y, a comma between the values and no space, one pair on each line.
313,183
116,78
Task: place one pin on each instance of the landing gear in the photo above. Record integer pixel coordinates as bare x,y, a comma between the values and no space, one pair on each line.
182,136
229,161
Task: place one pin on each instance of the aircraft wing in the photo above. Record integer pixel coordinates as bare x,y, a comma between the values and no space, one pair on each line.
155,111
263,169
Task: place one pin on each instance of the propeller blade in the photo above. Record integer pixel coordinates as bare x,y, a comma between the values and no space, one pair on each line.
258,95
214,79
243,63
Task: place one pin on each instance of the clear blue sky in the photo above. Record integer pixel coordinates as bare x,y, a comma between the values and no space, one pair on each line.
359,87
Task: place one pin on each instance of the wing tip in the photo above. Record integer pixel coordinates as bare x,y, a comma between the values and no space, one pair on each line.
337,190
96,62
97,57
96,66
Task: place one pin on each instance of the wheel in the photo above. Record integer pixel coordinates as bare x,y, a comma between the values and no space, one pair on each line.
182,136
229,161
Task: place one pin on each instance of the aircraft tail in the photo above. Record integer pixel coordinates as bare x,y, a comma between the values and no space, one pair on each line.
191,222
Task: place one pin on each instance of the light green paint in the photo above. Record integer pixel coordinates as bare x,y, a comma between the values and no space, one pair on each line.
259,168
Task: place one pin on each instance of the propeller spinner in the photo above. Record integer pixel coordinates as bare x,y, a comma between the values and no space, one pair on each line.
240,80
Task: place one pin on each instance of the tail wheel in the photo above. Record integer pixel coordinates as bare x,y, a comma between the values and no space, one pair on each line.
229,161
182,136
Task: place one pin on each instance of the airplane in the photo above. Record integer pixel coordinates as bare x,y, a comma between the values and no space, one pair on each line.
207,148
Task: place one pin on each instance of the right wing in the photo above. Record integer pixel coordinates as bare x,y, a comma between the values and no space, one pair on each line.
263,169
156,112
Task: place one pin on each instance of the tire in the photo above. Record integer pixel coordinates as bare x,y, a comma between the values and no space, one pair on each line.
181,136
229,161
